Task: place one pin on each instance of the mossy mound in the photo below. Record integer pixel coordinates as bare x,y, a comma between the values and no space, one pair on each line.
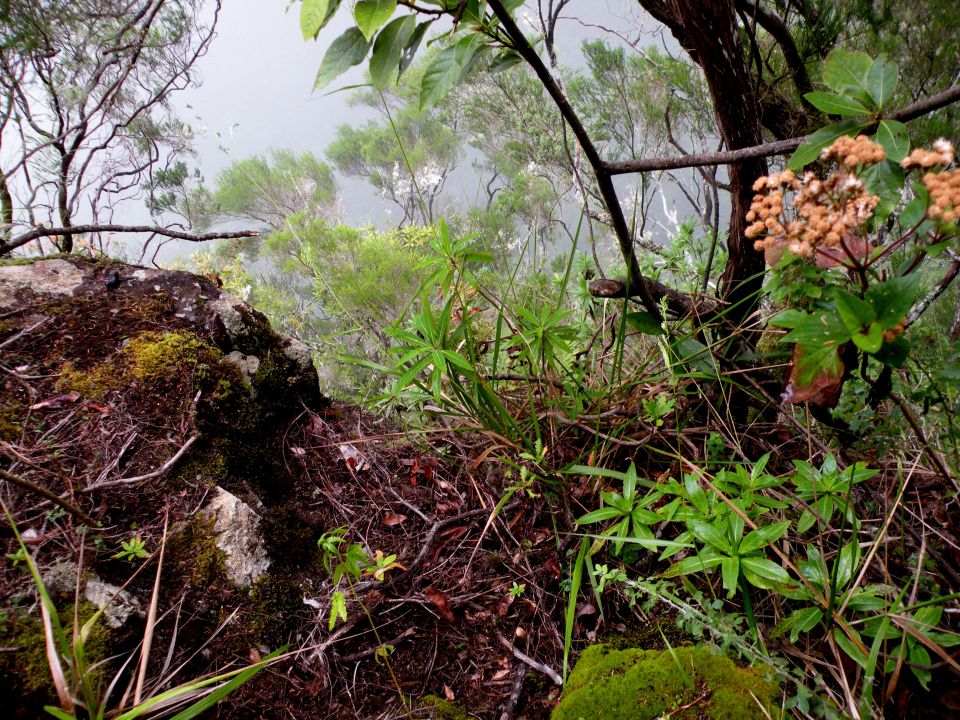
686,684
27,669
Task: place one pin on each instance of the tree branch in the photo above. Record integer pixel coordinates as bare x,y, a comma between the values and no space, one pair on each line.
778,147
604,179
36,233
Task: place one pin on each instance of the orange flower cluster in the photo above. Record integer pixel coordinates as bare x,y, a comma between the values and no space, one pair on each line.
826,212
852,152
942,154
944,190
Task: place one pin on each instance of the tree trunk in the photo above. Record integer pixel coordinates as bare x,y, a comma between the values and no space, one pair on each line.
707,31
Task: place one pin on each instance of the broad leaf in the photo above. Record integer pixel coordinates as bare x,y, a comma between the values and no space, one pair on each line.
645,322
709,535
847,72
372,14
730,569
823,138
882,80
314,14
884,179
413,44
346,51
835,104
816,376
763,536
893,136
763,568
385,59
447,69
893,299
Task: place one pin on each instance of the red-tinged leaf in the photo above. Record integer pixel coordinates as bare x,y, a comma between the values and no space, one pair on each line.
57,402
354,459
391,519
853,250
499,675
503,607
100,408
448,693
448,507
427,471
441,602
816,376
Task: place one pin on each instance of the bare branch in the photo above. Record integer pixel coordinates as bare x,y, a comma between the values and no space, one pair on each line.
26,237
778,147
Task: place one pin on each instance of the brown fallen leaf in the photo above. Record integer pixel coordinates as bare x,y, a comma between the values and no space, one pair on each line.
391,519
56,402
448,693
441,602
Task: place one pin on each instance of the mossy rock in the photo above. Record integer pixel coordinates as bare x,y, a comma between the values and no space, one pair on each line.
687,683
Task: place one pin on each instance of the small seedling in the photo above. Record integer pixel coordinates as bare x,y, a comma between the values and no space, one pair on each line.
517,589
132,549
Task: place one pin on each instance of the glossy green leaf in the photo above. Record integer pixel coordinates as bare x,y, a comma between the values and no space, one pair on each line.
709,535
765,569
849,647
893,299
882,80
801,621
730,572
763,536
600,515
824,137
446,70
387,48
894,138
314,14
346,51
646,323
836,104
695,564
884,179
848,73
371,15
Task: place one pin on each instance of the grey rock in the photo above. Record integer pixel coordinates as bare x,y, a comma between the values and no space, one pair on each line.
117,605
237,530
48,277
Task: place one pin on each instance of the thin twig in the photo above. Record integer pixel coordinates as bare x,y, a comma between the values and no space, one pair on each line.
524,658
52,497
150,475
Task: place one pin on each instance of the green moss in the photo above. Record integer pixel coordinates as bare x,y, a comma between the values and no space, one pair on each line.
153,358
277,606
640,684
194,556
27,666
11,421
442,709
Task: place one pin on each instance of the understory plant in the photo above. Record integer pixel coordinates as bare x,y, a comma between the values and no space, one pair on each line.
77,678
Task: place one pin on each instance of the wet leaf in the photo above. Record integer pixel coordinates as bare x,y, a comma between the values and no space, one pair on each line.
816,376
441,602
57,402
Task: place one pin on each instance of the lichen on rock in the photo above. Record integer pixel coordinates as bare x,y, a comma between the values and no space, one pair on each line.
236,528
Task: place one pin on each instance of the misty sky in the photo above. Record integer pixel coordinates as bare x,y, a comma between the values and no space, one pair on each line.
257,78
